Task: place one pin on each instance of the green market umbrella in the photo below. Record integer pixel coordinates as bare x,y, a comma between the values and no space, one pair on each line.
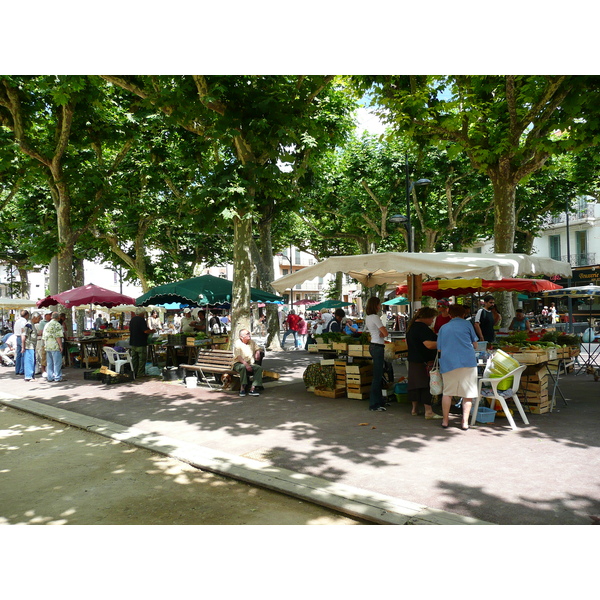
398,300
206,290
330,304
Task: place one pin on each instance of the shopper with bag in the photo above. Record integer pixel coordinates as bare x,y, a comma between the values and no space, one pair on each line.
457,343
422,350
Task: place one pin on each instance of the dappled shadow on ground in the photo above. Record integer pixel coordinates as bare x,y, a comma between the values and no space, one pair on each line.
53,474
392,453
556,509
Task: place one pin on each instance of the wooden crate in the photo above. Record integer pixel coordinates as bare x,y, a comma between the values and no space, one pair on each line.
531,358
358,389
313,348
340,372
340,346
358,369
358,378
401,346
338,392
533,397
355,350
533,386
358,395
538,409
324,346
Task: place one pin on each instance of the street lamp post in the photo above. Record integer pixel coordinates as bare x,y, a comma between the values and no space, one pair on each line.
410,238
282,255
569,299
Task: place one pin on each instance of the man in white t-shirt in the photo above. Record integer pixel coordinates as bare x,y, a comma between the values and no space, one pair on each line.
18,331
246,353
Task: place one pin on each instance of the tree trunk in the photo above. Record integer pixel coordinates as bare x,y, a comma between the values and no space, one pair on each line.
504,229
262,255
504,210
242,269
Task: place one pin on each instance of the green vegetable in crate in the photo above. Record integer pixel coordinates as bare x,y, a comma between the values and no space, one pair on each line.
201,335
364,339
331,336
518,338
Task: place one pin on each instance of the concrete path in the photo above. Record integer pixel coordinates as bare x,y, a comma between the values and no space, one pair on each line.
383,467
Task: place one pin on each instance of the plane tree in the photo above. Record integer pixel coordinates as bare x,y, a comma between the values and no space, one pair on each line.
58,126
264,121
508,126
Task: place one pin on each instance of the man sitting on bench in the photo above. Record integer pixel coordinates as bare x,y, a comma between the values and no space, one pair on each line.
245,356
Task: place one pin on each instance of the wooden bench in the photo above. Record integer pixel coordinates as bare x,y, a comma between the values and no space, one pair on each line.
218,362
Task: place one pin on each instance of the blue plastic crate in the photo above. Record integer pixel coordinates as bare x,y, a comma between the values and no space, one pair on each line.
485,415
401,387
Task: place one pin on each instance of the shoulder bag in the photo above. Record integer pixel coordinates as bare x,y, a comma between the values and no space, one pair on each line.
435,379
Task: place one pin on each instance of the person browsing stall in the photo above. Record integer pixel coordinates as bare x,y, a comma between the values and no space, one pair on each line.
377,349
422,349
457,343
138,341
443,316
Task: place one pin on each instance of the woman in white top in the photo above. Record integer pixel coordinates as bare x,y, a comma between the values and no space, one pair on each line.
378,334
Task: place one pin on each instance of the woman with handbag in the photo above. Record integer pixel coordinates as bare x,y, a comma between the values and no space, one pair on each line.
457,342
422,350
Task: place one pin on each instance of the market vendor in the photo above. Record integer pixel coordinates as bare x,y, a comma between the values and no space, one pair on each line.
520,322
189,324
351,328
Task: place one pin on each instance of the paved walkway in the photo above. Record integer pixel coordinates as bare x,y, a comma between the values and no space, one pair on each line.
384,467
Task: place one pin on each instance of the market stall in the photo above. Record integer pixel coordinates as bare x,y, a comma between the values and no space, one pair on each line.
394,268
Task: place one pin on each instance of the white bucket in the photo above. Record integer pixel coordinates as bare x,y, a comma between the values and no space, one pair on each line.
191,382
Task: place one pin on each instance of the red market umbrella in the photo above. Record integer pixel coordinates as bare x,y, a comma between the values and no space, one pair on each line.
87,294
442,288
304,302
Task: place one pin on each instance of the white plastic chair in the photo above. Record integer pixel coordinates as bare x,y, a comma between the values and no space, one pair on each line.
493,393
116,360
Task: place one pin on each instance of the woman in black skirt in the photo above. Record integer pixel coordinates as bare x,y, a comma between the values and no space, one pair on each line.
422,348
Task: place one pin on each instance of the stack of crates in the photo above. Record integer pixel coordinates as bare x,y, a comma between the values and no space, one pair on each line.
340,373
533,391
358,380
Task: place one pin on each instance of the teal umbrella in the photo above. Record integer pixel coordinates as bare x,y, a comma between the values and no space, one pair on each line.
205,290
397,301
330,304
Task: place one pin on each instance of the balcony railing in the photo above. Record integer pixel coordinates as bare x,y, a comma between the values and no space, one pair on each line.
581,260
581,214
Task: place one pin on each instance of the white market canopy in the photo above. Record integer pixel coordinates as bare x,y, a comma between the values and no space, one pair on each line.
13,303
394,267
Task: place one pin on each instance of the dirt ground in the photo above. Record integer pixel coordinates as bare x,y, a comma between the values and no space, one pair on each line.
53,474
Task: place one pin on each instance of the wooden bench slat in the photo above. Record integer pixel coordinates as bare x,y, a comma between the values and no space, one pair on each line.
218,362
